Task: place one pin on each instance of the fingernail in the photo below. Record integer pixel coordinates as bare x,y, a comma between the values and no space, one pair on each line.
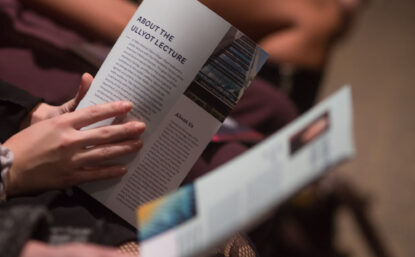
138,144
127,105
139,125
123,170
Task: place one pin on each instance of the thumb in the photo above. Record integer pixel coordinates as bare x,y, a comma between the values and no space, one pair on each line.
86,81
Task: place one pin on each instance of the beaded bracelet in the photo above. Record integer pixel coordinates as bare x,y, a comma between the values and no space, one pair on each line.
6,161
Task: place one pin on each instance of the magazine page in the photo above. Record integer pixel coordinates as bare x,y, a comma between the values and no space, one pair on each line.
184,68
238,194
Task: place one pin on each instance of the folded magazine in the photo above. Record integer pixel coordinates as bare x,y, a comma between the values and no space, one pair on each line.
237,195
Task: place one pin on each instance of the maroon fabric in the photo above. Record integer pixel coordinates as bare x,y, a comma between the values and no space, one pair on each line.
264,108
30,23
19,67
34,54
214,155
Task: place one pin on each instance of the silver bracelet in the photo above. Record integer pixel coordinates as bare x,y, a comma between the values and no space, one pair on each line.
6,161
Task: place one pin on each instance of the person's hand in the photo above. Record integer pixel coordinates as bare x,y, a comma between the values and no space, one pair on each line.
35,249
44,111
55,153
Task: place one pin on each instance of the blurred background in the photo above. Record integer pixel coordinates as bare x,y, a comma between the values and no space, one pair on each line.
378,60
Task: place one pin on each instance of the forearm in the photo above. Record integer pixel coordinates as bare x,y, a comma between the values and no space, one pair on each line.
103,19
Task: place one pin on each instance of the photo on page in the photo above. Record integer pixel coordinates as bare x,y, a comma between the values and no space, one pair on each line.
311,132
167,212
226,74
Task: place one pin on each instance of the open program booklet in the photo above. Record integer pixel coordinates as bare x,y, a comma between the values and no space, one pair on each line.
184,68
238,194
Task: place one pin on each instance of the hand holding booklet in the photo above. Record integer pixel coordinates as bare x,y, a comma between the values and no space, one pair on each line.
184,68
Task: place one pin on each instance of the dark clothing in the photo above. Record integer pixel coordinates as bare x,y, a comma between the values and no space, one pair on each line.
301,85
74,209
15,104
37,55
26,218
18,225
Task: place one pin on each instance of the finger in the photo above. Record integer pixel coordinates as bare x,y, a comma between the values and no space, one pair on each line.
70,105
67,107
113,133
101,153
99,173
86,81
93,114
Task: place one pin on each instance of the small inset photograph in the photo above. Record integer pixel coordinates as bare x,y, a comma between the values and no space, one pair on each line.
166,213
226,74
311,132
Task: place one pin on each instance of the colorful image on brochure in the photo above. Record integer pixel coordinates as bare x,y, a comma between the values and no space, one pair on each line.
311,132
227,73
167,212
